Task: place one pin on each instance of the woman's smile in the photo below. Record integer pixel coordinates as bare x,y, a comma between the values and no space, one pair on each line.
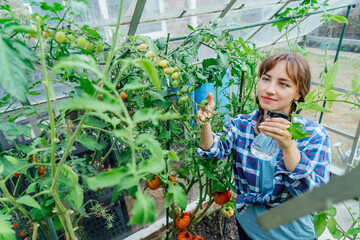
268,99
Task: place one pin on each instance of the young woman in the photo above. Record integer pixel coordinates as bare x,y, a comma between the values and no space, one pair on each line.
300,165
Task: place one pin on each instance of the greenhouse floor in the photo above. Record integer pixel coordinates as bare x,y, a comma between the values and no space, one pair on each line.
343,217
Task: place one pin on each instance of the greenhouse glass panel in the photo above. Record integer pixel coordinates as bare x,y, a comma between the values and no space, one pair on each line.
257,3
311,22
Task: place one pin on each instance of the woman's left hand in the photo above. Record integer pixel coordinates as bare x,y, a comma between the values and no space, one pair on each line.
277,128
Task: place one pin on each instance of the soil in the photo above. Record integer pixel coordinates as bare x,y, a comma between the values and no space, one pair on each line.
209,227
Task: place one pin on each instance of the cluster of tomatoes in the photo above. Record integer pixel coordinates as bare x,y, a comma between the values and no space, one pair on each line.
96,164
61,37
183,220
41,169
174,73
168,70
156,182
27,230
223,198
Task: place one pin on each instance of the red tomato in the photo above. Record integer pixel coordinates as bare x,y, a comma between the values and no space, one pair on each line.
41,170
222,197
123,95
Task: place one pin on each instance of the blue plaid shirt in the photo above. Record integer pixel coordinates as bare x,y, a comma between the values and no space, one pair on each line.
312,170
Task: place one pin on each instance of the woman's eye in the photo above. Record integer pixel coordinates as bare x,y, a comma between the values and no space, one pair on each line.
284,84
265,79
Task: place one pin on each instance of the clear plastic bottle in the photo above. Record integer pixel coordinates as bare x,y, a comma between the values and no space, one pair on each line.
263,146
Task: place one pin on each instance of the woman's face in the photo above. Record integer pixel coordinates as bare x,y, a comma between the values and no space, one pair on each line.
276,91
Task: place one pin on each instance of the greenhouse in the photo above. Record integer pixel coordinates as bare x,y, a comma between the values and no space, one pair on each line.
191,119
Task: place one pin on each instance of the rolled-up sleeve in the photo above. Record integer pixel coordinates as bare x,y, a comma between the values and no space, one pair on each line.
314,166
223,144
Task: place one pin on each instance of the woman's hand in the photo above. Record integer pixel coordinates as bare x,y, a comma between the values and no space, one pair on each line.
277,128
205,113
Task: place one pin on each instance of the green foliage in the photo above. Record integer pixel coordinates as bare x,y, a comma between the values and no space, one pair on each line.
29,201
6,231
15,65
144,209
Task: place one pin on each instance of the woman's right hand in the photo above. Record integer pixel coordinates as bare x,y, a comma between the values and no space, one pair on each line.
205,113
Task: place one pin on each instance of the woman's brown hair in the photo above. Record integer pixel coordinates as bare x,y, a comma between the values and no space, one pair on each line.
297,68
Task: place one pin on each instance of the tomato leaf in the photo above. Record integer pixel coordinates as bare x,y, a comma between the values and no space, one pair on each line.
312,106
179,196
309,95
340,19
28,201
10,164
86,86
331,224
116,176
87,102
89,142
139,101
297,131
75,196
353,231
156,95
330,77
6,231
14,67
135,85
355,84
169,199
70,174
209,174
173,156
150,142
330,211
144,210
16,130
190,27
320,224
151,71
31,188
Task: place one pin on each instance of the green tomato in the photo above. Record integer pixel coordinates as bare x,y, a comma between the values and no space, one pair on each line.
89,46
99,48
175,84
71,37
183,100
184,89
81,42
60,37
229,46
206,39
